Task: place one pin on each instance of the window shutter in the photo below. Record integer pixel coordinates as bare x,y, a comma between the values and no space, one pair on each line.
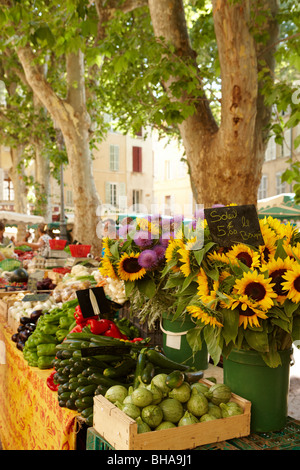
137,159
1,183
107,192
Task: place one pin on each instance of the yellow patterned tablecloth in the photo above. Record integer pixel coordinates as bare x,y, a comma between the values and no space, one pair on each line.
30,417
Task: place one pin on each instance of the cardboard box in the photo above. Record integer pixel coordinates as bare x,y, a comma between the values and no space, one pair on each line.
120,431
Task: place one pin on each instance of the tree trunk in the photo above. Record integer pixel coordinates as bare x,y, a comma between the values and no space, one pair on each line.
71,117
16,173
225,162
42,177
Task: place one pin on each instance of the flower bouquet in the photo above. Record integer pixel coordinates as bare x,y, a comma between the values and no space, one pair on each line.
136,257
241,296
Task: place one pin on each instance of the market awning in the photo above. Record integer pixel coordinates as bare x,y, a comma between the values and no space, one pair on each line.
284,209
15,218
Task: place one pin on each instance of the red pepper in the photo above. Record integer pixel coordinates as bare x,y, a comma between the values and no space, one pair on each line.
98,327
77,328
135,340
50,382
114,332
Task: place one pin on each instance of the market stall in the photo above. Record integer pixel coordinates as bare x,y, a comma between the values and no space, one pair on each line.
95,365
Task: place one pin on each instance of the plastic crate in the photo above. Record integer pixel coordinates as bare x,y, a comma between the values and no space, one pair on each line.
57,244
80,251
155,334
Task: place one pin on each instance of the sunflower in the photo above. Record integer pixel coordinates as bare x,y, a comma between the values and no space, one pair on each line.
276,268
185,259
243,253
292,283
107,269
207,295
269,248
218,256
287,231
293,251
257,289
105,246
172,252
197,312
129,268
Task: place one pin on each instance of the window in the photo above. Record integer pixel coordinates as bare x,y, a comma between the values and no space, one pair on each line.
137,159
167,205
263,188
271,149
167,169
69,198
8,190
114,158
280,186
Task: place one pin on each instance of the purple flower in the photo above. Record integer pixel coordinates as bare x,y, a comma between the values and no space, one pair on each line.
142,239
160,251
124,230
148,259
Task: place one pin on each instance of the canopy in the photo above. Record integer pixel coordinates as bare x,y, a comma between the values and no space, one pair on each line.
12,218
284,209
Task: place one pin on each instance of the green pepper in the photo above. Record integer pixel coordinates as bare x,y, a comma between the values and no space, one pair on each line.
46,349
54,317
61,334
65,322
45,362
70,303
49,329
41,338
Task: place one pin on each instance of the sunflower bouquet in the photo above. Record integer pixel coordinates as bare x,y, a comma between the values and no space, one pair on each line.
240,296
137,258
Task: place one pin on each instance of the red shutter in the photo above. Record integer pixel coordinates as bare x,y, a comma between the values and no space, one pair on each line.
137,159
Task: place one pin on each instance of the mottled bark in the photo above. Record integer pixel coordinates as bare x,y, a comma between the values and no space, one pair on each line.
71,117
225,162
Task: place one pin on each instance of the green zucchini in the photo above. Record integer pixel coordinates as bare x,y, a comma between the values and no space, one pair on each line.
71,404
193,376
65,396
86,390
84,402
148,373
175,379
121,369
161,360
87,411
99,379
140,365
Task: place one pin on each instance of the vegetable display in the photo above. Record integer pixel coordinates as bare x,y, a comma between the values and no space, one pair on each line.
170,400
51,329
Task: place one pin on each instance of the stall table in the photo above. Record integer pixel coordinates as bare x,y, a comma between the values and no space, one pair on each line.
30,416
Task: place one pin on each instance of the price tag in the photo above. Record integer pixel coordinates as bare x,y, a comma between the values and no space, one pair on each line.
35,297
234,224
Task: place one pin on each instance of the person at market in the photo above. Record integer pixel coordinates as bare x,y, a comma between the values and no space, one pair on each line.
42,246
4,241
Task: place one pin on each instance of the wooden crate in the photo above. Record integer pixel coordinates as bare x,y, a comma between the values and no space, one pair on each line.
120,431
5,304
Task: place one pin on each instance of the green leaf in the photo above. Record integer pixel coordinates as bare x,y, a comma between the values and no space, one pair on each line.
257,340
194,340
296,331
199,254
114,250
230,325
290,307
129,286
147,287
188,280
213,340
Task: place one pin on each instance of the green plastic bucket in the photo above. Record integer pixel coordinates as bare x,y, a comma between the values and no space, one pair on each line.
267,388
175,344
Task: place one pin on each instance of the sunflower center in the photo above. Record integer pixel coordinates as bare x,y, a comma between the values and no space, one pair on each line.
245,258
256,291
131,265
297,284
278,279
246,313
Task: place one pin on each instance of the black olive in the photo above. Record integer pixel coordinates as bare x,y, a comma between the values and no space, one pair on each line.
35,315
20,345
15,337
23,335
24,320
30,326
21,328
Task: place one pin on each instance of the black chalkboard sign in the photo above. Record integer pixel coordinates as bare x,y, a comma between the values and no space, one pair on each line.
93,301
234,224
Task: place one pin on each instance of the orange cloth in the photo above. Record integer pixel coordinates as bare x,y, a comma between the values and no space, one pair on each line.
30,416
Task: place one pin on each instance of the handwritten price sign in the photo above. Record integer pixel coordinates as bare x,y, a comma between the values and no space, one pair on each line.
234,224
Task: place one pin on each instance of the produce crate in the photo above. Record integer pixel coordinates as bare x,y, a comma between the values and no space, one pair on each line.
5,304
155,334
120,431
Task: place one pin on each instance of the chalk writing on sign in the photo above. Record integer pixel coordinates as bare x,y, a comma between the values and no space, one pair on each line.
234,224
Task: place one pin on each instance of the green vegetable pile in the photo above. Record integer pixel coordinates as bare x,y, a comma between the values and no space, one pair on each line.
80,376
51,329
173,399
